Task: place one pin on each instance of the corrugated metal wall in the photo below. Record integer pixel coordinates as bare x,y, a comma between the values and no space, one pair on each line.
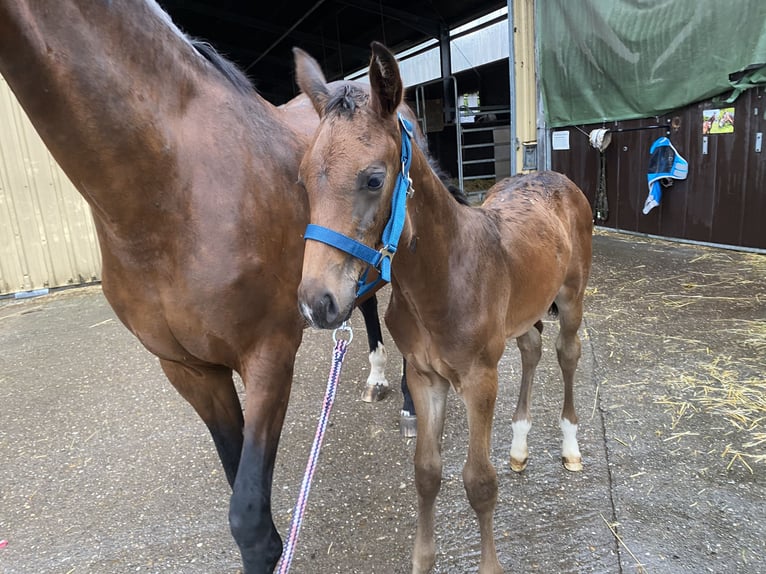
47,236
723,200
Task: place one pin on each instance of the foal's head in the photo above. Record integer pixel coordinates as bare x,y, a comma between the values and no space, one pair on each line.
349,172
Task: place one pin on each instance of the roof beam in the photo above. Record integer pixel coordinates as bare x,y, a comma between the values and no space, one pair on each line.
256,24
423,25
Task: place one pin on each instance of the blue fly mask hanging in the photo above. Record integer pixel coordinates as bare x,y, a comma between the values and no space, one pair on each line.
665,165
379,259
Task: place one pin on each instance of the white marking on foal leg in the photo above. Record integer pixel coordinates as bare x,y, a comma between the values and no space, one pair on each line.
377,384
519,452
570,451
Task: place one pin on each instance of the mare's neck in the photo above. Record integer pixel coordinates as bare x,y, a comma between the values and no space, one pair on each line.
106,84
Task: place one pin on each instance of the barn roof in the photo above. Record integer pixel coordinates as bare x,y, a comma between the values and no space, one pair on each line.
259,35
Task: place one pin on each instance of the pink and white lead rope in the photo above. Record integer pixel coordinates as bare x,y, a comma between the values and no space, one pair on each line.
339,352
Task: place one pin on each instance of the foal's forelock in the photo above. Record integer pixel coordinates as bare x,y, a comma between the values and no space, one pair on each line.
346,100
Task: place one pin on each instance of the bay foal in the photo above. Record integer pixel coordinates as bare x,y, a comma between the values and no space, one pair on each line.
463,279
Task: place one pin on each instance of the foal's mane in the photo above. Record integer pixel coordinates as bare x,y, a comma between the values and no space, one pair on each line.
345,101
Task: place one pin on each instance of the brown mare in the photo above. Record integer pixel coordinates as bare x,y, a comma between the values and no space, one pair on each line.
192,180
463,280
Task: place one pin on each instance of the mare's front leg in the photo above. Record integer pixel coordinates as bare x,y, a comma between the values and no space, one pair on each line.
429,394
210,390
267,374
479,475
377,385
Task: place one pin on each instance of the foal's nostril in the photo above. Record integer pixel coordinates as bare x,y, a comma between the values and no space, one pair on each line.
328,307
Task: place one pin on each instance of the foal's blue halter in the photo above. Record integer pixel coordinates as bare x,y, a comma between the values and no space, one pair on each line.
381,259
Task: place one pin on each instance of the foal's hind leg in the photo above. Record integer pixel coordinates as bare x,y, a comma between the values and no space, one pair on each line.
211,391
479,476
377,385
530,346
430,397
568,350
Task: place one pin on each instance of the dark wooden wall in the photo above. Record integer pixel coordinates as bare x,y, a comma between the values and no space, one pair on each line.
723,200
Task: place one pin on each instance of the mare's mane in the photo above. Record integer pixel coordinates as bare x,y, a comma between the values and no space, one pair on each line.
229,69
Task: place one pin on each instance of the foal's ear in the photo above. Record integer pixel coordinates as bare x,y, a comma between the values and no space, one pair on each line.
385,81
311,80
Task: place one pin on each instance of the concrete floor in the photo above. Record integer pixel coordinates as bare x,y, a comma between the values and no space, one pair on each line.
105,469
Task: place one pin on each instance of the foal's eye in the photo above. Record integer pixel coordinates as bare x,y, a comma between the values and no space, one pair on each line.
375,181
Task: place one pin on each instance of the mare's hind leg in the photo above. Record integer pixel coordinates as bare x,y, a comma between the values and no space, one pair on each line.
377,385
430,397
530,346
568,349
479,476
211,391
408,422
267,373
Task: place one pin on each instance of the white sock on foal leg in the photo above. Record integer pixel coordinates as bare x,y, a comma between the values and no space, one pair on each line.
519,451
377,384
570,451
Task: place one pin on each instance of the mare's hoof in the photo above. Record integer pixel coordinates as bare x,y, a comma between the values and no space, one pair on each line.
408,425
375,393
518,465
573,464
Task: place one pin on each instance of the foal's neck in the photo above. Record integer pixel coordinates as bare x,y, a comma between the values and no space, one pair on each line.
434,219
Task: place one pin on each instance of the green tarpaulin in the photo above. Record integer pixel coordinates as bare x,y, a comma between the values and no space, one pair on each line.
603,60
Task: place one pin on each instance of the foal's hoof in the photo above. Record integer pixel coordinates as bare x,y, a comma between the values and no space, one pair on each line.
572,463
408,425
518,465
375,393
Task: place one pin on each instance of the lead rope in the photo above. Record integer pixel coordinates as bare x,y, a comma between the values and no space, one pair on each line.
341,345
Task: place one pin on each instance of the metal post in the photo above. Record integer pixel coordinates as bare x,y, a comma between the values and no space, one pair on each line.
512,82
445,57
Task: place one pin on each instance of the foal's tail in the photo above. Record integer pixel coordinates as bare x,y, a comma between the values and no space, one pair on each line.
553,311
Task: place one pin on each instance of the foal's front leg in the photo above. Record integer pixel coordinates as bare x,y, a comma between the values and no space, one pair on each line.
429,393
377,386
479,475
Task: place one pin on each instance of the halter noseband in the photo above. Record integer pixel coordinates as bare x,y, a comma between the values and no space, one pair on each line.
380,259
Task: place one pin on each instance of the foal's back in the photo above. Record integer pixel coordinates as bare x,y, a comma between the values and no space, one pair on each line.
544,224
538,211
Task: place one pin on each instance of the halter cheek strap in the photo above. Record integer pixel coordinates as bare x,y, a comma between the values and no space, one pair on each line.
379,259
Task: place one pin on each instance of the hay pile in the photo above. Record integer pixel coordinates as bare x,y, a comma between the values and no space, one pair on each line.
707,307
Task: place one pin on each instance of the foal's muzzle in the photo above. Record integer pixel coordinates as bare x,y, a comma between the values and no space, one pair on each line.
320,307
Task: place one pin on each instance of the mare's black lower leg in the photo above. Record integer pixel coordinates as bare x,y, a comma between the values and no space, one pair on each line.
267,376
377,386
408,423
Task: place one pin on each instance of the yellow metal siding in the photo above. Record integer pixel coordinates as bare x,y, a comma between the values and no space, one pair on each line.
526,80
47,236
